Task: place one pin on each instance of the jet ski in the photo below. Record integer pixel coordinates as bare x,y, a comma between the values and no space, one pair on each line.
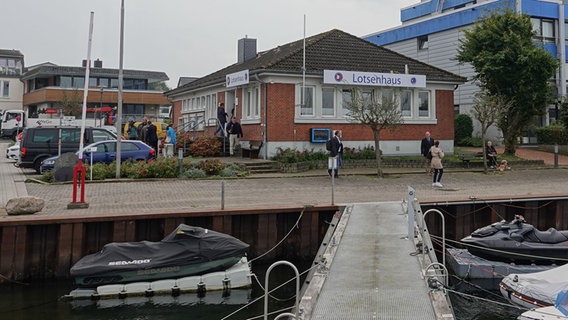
518,242
185,252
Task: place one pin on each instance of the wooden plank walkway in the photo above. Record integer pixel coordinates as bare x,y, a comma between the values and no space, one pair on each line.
373,273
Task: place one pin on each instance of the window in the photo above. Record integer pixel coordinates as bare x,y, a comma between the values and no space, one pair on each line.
252,102
406,103
544,30
306,101
327,101
423,43
78,82
65,82
423,103
5,89
347,98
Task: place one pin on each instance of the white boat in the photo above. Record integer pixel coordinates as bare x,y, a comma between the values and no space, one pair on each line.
534,290
557,312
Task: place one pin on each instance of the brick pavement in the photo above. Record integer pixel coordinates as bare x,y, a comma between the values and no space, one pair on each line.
285,190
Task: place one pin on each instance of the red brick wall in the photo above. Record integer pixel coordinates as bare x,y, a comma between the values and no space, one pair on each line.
281,124
176,112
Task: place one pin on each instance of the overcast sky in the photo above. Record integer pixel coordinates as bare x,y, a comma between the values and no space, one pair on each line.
179,37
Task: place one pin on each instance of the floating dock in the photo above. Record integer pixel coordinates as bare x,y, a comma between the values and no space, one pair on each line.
371,270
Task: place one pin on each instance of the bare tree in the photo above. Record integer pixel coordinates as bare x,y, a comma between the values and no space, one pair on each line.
377,110
488,109
71,103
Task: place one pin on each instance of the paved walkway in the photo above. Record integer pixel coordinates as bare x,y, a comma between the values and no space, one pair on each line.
276,190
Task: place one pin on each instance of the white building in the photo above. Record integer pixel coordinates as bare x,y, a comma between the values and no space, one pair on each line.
11,88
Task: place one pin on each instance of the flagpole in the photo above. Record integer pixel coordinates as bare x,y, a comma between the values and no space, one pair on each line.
118,118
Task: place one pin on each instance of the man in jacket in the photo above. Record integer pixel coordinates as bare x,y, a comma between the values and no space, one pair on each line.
425,146
235,132
336,146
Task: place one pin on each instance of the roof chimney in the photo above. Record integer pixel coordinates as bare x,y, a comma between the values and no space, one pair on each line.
246,49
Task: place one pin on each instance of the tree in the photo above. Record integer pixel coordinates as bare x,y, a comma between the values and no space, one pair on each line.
366,109
509,65
487,109
158,86
71,103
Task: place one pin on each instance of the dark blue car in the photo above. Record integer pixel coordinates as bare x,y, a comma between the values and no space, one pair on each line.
105,151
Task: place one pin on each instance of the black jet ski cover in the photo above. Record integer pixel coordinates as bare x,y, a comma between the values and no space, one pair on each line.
186,245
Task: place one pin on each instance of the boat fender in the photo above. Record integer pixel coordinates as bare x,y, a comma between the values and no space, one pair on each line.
201,289
176,291
149,292
95,297
516,278
122,294
226,284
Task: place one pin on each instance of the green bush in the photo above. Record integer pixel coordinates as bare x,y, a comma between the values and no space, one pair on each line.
552,134
205,147
294,156
463,127
212,167
193,173
233,170
471,142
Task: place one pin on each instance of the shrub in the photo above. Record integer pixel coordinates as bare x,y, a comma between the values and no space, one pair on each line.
367,152
233,170
193,173
471,142
463,127
287,155
205,147
552,134
212,167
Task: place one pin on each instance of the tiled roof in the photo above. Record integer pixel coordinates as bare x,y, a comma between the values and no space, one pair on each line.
332,50
10,53
53,70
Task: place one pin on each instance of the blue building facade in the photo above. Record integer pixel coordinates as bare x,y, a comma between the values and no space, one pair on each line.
431,31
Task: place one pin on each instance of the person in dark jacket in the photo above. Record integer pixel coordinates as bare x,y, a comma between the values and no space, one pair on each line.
235,132
425,146
491,155
222,118
336,148
152,136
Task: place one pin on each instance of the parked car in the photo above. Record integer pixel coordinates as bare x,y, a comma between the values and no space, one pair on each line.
105,152
13,152
40,143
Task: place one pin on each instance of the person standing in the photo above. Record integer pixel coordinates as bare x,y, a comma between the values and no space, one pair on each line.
436,163
222,118
235,132
425,145
152,136
170,143
333,160
132,131
142,127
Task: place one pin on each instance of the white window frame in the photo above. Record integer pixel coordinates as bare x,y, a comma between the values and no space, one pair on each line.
251,103
299,101
428,103
333,104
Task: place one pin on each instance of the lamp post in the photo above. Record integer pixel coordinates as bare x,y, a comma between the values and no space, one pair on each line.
102,87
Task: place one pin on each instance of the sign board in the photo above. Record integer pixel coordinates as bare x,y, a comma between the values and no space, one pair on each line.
319,134
356,78
237,79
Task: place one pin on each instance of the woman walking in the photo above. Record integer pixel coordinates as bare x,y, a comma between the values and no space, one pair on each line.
437,156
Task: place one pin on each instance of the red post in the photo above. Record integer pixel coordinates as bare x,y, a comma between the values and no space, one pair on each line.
79,172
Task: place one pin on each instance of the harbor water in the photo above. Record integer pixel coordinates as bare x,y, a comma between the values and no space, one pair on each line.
40,300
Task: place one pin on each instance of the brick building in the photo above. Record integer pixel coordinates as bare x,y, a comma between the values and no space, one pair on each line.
279,103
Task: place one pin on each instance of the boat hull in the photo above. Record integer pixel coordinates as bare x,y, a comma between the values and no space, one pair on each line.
151,274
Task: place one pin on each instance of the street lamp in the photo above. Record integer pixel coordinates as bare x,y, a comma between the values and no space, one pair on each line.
102,87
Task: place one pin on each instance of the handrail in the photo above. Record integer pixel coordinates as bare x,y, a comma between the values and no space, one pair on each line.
294,315
443,231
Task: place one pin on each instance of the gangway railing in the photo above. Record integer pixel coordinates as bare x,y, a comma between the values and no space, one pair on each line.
285,314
